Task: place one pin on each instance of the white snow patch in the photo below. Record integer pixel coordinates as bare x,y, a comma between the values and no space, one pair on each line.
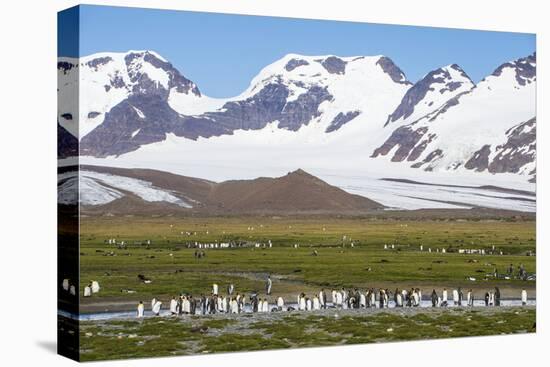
139,112
189,104
102,188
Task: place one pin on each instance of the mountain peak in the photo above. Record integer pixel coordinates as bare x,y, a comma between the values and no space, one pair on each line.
435,88
299,172
524,68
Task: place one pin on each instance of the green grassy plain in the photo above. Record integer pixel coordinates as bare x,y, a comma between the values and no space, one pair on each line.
174,269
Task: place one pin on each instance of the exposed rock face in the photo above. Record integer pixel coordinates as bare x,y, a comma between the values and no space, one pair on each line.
65,66
421,147
519,150
99,61
268,105
294,63
124,130
480,160
533,175
144,84
432,156
525,69
67,144
439,78
334,65
405,138
451,87
392,70
254,112
303,109
341,119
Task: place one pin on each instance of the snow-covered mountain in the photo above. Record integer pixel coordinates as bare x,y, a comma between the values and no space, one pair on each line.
432,91
101,81
489,127
136,98
317,112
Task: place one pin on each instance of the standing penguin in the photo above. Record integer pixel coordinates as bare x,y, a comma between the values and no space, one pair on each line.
174,306
224,305
357,299
268,285
65,285
219,305
455,297
254,302
235,305
242,302
179,305
302,302
323,298
434,298
398,299
156,308
339,299
87,291
280,303
193,305
212,303
416,298
497,296
316,304
140,309
344,298
204,305
186,305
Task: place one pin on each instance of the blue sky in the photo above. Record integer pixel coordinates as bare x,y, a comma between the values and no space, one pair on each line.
221,53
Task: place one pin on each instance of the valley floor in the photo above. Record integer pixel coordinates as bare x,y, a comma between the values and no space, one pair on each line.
307,255
169,336
324,257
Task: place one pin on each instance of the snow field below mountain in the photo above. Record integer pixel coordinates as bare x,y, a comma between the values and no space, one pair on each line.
273,153
101,188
